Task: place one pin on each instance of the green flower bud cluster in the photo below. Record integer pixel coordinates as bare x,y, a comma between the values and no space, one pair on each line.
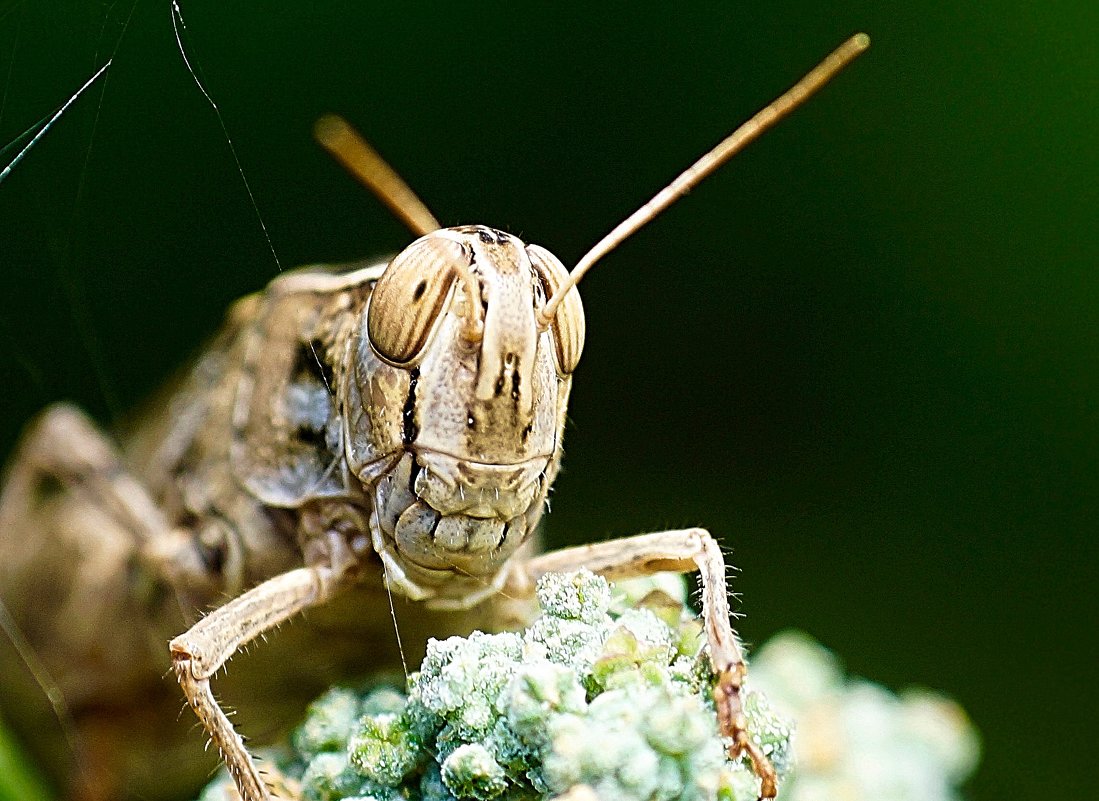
609,691
602,690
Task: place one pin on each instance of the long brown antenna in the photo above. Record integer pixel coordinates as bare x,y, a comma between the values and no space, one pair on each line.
365,163
726,149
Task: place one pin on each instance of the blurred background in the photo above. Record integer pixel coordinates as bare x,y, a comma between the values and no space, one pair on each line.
863,354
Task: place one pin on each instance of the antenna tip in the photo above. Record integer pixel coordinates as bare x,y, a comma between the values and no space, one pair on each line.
330,129
861,40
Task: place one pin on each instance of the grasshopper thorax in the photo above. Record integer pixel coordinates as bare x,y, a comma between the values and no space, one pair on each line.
458,405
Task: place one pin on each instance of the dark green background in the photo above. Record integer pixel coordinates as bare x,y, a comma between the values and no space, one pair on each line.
864,353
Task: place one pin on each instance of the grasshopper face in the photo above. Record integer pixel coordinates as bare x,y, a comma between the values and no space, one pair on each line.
457,406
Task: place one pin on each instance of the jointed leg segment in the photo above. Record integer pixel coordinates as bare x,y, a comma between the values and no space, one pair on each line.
201,652
681,551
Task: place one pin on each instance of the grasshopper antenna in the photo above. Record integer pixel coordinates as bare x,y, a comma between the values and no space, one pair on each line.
337,136
693,175
364,162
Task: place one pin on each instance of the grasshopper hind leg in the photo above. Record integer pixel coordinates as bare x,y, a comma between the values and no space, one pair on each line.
81,686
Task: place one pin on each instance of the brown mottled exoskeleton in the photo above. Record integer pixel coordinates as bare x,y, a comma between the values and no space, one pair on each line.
353,430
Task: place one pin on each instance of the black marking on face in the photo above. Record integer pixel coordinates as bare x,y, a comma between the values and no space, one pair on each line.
412,475
419,291
527,431
515,381
311,361
490,236
541,289
410,428
477,274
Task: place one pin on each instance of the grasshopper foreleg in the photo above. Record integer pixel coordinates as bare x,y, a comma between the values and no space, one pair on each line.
683,551
199,653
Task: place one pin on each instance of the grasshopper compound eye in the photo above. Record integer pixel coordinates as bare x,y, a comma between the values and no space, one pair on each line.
567,324
409,297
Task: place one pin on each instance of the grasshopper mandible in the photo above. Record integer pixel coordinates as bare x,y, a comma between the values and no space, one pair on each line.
355,429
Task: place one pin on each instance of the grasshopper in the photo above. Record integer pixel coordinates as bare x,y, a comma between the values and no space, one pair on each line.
355,431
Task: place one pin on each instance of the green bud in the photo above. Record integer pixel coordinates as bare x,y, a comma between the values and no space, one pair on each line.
539,691
328,722
574,596
472,772
382,749
329,777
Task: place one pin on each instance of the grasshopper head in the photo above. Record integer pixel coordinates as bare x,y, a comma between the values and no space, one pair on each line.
464,368
463,402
